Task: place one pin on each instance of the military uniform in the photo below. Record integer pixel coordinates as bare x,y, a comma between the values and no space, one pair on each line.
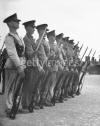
82,73
32,66
60,73
43,57
52,65
76,69
75,76
15,64
67,74
43,52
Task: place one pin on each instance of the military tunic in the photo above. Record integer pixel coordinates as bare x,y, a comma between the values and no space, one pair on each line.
32,70
53,61
14,63
42,53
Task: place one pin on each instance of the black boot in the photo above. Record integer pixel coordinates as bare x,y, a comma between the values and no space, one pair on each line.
12,116
78,93
61,99
53,101
31,107
13,112
41,103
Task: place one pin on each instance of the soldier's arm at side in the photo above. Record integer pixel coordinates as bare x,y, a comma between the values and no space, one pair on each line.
12,52
62,63
46,48
28,48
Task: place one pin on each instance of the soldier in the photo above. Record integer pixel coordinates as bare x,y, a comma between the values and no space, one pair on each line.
84,67
76,51
76,69
59,39
53,58
75,77
43,52
14,66
66,68
60,73
68,73
32,65
71,68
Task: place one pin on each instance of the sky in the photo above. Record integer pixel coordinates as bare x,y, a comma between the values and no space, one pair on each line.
78,19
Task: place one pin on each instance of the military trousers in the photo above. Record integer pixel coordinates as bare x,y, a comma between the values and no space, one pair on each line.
29,85
12,82
75,82
45,85
59,82
66,87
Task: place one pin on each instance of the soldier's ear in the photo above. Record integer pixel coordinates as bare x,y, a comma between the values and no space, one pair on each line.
9,24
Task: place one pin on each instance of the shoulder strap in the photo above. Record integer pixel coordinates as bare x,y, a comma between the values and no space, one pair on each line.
12,37
19,48
3,45
4,41
2,48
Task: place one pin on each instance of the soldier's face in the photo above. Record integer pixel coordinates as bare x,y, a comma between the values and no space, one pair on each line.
45,34
30,29
41,31
52,38
60,40
15,24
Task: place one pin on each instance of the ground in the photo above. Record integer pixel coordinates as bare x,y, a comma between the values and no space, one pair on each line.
83,110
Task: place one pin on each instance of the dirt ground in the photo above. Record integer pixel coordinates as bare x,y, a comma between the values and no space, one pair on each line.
83,110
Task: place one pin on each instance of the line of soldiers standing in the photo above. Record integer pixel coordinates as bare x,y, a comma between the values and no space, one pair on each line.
38,72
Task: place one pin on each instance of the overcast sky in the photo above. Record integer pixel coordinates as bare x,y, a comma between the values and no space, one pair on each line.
78,19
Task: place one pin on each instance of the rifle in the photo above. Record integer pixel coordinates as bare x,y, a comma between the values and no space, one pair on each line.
93,56
93,53
89,52
77,43
80,48
3,55
84,53
40,40
17,97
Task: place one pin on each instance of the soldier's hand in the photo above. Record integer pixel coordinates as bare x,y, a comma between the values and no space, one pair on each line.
21,72
35,52
41,69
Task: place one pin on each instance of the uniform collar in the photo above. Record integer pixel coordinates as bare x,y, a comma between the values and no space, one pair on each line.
29,36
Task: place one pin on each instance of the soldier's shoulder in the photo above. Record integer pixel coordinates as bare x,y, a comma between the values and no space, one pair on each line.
8,38
26,40
25,37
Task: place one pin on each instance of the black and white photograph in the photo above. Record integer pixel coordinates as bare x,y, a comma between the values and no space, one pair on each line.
49,62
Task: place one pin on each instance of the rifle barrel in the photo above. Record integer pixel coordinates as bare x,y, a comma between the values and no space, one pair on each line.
90,52
84,53
81,48
94,53
40,40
